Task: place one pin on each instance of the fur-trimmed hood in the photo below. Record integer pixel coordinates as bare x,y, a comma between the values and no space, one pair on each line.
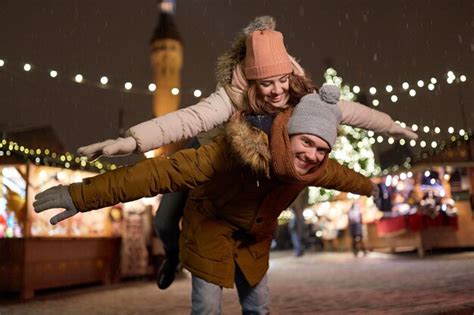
249,144
229,60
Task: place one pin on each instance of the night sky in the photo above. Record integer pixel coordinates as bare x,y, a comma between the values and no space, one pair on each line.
369,43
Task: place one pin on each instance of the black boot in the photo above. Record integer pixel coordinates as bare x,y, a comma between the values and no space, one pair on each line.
167,272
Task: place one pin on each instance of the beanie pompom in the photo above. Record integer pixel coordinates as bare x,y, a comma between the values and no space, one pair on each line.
330,93
265,22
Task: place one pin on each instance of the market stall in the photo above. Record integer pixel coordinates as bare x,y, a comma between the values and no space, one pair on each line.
99,246
37,255
430,206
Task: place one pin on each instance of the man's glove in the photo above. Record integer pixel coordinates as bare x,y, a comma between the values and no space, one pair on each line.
55,197
111,147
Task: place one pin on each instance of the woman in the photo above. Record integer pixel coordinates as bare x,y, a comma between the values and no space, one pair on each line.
236,80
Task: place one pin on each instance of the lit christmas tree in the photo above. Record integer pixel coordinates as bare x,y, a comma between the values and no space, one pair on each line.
353,147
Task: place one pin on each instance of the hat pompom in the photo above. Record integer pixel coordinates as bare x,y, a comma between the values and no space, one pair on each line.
330,93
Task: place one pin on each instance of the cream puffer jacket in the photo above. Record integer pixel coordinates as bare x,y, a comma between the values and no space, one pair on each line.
230,96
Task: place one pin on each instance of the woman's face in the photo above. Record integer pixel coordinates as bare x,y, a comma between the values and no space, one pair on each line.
274,90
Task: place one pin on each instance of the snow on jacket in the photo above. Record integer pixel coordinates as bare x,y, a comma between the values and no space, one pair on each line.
233,205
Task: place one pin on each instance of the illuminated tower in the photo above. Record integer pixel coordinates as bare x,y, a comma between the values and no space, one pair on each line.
167,60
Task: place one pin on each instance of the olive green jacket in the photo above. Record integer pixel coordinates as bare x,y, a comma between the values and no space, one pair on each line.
232,208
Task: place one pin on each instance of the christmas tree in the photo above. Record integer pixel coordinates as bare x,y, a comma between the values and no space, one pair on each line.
353,147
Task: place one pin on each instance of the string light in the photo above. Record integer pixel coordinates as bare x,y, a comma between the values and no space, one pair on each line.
104,80
175,91
379,139
197,93
372,90
78,78
43,157
420,83
405,85
412,92
356,89
394,98
128,85
463,78
152,87
389,88
433,80
375,102
431,86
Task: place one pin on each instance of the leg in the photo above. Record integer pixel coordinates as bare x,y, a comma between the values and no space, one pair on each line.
254,300
354,245
206,297
166,224
296,241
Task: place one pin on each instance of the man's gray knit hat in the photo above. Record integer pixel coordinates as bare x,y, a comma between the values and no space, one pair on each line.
317,114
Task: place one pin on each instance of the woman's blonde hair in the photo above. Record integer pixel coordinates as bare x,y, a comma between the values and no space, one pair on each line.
299,86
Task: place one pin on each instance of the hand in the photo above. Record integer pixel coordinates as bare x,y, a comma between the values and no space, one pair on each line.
399,132
55,197
111,147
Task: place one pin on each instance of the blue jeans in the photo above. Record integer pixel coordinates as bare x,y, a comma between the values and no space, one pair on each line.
207,297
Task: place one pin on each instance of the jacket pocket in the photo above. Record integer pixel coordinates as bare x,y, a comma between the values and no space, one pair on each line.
260,249
207,238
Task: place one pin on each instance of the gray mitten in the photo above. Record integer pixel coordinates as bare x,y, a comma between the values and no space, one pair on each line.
111,147
55,197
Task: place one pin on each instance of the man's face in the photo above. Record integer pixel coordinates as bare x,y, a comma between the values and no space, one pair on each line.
309,151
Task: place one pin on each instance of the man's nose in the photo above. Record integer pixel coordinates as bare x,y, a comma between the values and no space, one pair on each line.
314,156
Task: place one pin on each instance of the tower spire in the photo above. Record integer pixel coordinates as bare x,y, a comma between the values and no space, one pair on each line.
167,59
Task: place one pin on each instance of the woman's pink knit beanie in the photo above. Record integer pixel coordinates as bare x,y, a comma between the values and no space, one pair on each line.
266,55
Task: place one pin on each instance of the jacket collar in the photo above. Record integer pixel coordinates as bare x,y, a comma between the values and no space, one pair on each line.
249,144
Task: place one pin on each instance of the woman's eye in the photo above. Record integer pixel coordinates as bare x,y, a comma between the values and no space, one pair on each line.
283,80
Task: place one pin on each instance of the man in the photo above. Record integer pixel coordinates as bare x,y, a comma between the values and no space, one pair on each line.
236,196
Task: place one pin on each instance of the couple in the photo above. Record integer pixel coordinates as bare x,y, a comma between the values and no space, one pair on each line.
242,180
